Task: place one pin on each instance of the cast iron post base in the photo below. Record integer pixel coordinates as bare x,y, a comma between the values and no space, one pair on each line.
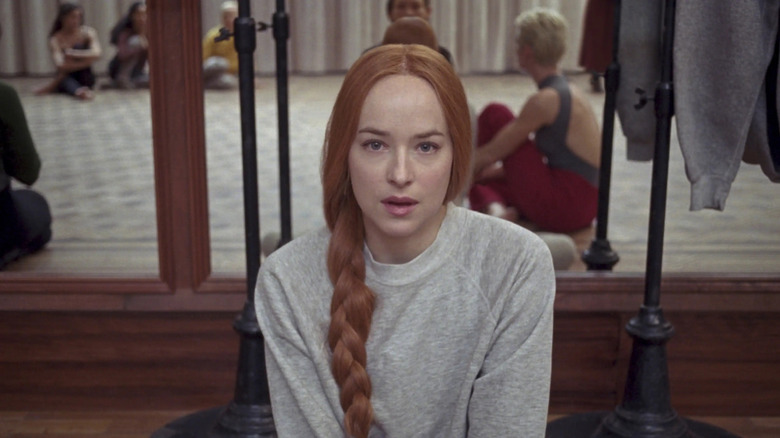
207,424
249,414
589,425
600,256
646,410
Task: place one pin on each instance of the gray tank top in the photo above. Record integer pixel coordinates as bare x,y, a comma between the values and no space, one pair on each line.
551,139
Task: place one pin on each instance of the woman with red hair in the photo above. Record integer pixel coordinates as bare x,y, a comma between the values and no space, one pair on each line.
407,315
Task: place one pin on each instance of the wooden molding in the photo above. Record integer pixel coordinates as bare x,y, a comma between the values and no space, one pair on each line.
179,142
722,363
576,292
679,292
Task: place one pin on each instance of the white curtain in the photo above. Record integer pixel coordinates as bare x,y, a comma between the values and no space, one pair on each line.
326,36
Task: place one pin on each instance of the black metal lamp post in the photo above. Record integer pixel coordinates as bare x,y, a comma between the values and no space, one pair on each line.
249,414
646,411
600,256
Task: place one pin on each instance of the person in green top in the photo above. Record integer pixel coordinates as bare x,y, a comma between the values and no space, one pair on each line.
25,219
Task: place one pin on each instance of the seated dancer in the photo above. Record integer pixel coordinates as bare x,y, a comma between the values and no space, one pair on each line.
25,217
543,165
74,48
127,68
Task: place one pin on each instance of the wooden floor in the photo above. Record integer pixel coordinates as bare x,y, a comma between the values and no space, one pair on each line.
138,424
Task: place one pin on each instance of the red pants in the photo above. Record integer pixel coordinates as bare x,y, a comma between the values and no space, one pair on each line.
553,199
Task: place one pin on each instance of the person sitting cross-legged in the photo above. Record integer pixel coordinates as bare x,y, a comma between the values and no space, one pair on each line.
543,165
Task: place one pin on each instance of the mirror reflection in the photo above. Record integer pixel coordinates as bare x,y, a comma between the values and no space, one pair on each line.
97,172
745,237
88,111
310,98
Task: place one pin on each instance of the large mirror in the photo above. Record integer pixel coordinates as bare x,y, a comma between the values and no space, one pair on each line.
745,237
97,163
98,167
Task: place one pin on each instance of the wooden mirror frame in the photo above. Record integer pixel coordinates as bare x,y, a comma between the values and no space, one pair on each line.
178,137
185,280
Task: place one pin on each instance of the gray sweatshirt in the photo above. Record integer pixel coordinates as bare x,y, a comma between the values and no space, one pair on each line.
460,343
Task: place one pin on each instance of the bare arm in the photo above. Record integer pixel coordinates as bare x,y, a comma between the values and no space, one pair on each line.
93,52
125,50
57,54
538,111
74,64
58,57
69,60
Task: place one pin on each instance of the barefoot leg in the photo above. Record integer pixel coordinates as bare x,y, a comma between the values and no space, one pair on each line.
50,86
84,93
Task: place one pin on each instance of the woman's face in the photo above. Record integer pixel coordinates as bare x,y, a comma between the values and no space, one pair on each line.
228,18
72,20
139,17
409,8
399,165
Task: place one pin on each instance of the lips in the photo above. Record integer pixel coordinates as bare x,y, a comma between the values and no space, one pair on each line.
399,206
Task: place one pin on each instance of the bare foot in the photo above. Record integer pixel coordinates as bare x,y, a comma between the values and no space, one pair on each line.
84,93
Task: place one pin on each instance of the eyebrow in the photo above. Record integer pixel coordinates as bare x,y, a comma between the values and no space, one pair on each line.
374,131
379,132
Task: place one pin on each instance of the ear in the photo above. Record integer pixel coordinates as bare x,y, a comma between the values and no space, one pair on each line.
525,52
428,10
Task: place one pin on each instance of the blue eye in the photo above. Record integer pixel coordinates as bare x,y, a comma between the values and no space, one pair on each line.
427,147
373,145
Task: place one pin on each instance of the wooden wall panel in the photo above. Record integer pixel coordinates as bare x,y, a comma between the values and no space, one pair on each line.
116,360
725,363
719,363
584,351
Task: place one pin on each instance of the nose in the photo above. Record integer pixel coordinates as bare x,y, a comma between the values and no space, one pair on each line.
410,11
400,172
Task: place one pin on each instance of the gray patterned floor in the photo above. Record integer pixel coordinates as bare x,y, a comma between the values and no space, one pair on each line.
98,177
